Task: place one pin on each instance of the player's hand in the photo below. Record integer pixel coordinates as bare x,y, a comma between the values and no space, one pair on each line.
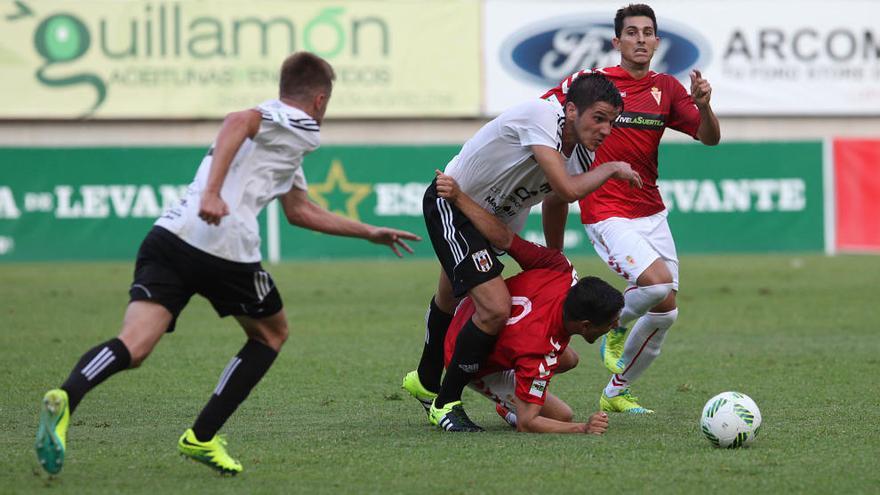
701,90
597,424
393,238
212,208
624,171
447,188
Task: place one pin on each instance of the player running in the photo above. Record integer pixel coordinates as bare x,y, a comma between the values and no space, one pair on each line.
549,306
209,244
537,149
627,227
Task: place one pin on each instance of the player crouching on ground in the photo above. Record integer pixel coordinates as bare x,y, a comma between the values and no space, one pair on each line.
532,152
549,305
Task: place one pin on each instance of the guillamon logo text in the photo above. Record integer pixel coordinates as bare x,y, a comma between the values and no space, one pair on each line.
550,50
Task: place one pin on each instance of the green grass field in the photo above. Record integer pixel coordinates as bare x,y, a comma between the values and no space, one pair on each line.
798,334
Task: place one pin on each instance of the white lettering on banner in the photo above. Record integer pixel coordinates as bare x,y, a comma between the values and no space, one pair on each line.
146,204
730,195
122,201
38,201
7,244
805,44
393,199
8,209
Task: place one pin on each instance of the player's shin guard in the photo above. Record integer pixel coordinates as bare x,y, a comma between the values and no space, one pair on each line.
641,349
95,366
472,348
239,377
638,300
431,365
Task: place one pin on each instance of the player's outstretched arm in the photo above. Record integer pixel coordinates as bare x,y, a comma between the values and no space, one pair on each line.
709,132
495,231
528,419
574,187
237,127
302,212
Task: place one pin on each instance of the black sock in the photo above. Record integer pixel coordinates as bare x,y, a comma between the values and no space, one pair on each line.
472,348
431,364
242,373
95,366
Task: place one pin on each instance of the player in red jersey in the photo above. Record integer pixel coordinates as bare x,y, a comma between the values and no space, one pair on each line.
627,226
549,305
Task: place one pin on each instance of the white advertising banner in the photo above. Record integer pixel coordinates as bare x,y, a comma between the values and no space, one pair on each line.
802,57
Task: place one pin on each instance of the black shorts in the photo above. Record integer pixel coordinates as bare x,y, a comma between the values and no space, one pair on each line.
466,256
169,271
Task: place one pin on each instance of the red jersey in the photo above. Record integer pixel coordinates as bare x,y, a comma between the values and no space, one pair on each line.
534,337
650,105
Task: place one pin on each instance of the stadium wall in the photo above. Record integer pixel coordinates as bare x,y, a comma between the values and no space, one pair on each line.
100,126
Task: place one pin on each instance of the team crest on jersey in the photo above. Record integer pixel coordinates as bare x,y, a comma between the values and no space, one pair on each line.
657,94
482,260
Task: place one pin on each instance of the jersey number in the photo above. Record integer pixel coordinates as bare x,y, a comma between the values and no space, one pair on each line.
522,302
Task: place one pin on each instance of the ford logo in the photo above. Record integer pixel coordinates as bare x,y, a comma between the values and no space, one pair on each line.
549,51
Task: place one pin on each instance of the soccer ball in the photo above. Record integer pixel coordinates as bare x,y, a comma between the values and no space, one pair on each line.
731,420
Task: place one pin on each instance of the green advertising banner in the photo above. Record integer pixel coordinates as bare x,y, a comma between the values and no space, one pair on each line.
378,185
86,203
64,59
97,203
740,197
744,197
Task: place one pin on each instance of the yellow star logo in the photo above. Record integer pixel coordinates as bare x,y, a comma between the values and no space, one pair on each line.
337,181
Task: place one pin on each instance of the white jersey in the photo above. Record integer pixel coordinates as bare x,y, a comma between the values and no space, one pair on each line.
264,168
497,169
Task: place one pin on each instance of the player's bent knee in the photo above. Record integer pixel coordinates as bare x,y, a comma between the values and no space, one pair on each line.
558,410
568,417
565,414
664,319
657,273
280,336
275,336
666,305
271,331
656,294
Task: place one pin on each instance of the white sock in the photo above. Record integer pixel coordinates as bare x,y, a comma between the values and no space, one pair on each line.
510,417
641,349
638,300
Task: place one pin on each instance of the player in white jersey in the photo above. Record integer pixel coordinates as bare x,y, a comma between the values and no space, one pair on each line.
532,151
209,244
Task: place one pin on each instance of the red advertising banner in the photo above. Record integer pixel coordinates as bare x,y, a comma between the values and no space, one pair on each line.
857,188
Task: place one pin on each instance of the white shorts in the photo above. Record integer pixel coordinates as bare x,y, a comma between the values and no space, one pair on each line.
630,245
498,387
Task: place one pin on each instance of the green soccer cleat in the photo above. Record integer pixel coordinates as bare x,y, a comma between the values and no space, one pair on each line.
625,403
611,349
212,454
51,440
413,385
452,417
